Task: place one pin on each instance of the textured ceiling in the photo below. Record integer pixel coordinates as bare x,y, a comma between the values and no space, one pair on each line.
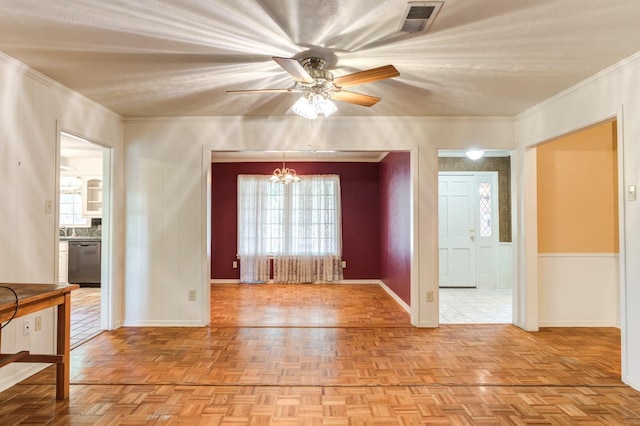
173,58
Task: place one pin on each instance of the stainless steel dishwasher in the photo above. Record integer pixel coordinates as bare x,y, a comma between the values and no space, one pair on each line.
84,262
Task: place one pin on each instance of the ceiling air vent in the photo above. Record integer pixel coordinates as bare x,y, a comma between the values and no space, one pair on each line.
419,15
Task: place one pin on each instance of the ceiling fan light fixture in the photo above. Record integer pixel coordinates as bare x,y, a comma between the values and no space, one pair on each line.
304,108
318,86
311,105
323,105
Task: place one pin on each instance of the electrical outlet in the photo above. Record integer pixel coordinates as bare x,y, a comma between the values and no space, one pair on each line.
192,295
429,296
37,326
26,328
235,264
344,264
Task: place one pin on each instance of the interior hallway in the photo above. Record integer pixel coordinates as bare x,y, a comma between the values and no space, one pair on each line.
332,354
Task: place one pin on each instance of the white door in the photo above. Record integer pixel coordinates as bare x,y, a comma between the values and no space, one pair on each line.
457,230
468,229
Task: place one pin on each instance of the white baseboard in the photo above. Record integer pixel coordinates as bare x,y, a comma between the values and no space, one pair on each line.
634,382
22,372
231,281
426,324
163,323
579,324
401,302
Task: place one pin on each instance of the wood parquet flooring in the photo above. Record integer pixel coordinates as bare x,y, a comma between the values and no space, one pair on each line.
291,305
339,369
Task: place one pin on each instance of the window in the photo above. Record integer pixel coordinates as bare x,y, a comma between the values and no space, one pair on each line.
71,202
485,209
298,219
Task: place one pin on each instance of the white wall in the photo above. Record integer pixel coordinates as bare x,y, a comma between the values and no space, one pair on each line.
578,290
166,168
611,93
32,108
505,265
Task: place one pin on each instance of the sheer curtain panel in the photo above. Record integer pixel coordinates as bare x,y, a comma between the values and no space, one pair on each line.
298,225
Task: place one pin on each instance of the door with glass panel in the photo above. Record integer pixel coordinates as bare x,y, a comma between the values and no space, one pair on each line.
467,229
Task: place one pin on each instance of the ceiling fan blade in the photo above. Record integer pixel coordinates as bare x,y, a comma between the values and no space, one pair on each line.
260,91
355,98
293,67
368,76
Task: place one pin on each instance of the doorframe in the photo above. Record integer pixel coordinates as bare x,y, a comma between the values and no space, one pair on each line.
528,253
106,244
415,285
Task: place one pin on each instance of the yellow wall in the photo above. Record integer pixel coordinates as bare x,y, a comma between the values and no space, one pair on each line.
577,192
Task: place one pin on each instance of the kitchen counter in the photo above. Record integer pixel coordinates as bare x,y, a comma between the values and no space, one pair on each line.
80,238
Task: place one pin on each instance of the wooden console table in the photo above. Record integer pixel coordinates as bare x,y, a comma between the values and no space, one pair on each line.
33,298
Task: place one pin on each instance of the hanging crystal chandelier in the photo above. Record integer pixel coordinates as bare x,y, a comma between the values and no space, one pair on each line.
284,175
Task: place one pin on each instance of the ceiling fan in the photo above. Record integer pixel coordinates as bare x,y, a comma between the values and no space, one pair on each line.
318,86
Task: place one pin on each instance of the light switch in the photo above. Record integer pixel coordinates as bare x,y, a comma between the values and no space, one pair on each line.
631,193
48,206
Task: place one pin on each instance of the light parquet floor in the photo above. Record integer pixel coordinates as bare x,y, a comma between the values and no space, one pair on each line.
317,305
251,366
85,315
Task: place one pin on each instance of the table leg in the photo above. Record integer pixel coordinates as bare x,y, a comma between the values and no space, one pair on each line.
63,344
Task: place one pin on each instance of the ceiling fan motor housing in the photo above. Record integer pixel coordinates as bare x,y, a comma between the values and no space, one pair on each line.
315,68
323,79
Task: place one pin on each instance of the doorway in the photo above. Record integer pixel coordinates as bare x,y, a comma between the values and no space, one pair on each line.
474,225
578,228
80,206
361,188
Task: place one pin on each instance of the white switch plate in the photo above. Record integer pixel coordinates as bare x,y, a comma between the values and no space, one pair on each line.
48,206
192,295
631,192
26,328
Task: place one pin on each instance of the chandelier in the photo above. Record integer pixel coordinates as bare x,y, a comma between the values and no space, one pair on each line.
284,175
315,96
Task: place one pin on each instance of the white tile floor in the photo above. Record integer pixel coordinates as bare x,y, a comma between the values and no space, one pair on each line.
475,306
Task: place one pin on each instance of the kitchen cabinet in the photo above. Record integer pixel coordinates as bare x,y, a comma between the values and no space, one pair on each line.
63,268
92,196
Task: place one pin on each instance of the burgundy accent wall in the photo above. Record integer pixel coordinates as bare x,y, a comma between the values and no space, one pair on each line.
395,224
360,188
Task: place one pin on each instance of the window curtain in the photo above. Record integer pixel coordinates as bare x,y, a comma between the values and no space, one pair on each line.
315,243
297,225
252,242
